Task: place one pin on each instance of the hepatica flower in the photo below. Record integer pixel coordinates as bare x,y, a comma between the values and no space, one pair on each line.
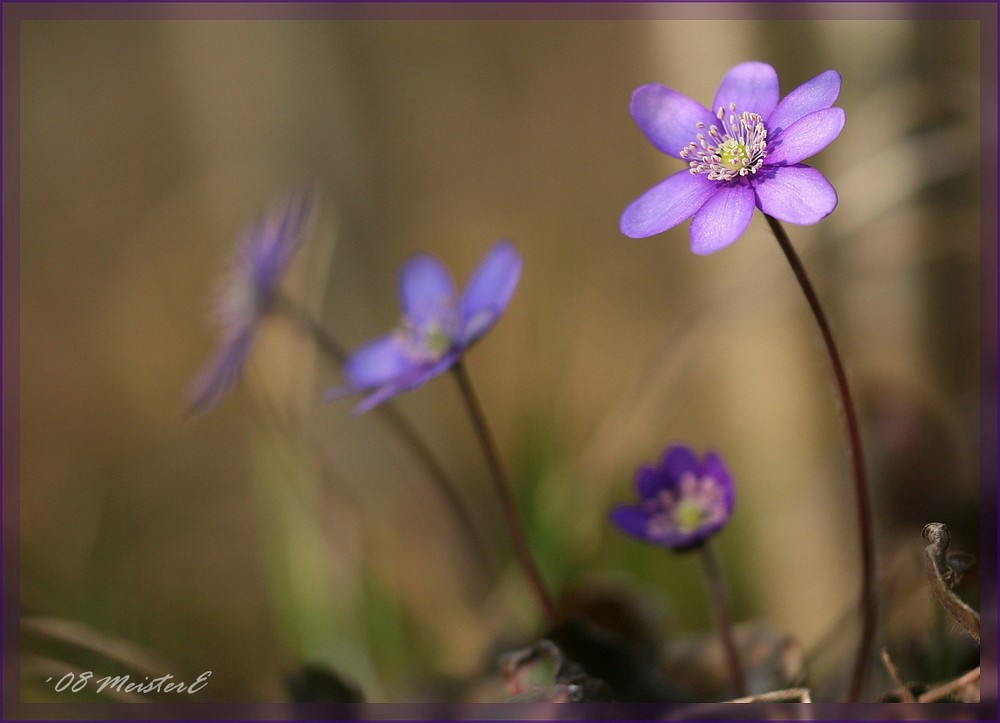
682,501
438,325
745,152
248,292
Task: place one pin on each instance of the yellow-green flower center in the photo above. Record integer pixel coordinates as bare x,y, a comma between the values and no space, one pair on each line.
436,340
733,154
733,149
689,514
434,337
694,504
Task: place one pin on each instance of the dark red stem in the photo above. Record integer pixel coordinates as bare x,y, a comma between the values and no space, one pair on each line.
869,601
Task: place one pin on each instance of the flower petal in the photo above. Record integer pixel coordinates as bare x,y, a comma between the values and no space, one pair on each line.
817,94
722,219
713,466
429,371
635,521
668,118
490,290
382,394
751,86
797,194
632,520
270,244
378,362
221,373
476,325
416,376
425,289
806,137
677,460
667,204
649,480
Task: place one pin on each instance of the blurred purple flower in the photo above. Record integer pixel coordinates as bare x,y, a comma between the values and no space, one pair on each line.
682,502
745,154
248,292
438,325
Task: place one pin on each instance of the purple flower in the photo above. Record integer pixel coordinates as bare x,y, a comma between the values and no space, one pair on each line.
248,292
745,154
682,502
438,325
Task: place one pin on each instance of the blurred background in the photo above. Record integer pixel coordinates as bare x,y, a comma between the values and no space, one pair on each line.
278,530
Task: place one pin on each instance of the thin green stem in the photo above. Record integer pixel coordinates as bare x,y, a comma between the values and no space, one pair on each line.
397,423
862,492
507,502
723,618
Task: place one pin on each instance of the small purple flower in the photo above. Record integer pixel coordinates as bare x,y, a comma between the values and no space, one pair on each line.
438,325
248,292
682,502
745,154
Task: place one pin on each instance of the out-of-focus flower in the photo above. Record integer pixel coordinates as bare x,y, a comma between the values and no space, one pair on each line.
248,292
745,153
438,325
682,501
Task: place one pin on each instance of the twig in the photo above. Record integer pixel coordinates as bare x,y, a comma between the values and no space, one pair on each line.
720,710
936,567
83,636
902,688
791,695
943,691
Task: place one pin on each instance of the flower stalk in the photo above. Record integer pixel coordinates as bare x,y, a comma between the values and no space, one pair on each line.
508,503
862,493
300,316
723,618
396,422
